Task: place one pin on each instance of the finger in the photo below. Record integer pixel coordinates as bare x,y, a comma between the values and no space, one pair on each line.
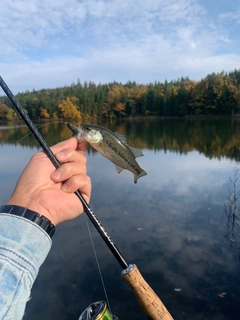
70,155
70,143
68,170
82,146
79,182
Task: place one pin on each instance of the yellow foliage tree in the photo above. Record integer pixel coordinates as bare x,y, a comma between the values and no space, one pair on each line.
69,109
6,112
120,108
115,101
3,110
11,114
43,113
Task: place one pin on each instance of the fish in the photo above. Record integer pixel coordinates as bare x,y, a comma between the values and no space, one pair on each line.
112,146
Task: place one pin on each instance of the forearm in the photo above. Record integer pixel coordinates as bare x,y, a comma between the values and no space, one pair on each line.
23,248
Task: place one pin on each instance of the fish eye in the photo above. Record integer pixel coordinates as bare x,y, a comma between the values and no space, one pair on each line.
87,128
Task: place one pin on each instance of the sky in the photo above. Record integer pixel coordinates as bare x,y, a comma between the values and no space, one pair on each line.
54,43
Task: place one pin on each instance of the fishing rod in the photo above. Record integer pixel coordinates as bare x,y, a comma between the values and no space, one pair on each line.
148,299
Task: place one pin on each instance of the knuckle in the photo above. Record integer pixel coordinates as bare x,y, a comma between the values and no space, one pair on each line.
84,181
83,158
88,180
65,170
81,168
69,154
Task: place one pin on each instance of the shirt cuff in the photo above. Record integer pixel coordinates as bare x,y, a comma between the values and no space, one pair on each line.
23,243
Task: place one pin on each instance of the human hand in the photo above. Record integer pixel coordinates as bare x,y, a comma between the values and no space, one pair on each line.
50,192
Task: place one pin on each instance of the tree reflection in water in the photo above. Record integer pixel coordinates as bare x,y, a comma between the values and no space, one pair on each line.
231,210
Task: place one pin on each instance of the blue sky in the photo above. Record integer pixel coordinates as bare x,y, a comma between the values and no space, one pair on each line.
52,43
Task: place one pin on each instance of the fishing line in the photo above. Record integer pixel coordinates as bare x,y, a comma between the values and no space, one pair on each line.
98,265
88,227
57,164
148,299
43,125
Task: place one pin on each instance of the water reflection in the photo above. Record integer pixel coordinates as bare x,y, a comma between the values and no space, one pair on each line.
231,210
169,224
213,138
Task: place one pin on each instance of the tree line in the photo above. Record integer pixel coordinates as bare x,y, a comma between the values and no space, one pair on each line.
216,94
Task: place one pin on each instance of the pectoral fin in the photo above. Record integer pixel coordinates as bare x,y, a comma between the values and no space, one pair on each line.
119,169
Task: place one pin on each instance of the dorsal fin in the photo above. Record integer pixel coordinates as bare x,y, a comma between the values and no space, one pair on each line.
121,137
137,152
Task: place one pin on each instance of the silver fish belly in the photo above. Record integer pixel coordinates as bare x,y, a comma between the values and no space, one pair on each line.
112,146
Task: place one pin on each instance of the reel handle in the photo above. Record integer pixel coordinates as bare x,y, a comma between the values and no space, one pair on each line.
149,301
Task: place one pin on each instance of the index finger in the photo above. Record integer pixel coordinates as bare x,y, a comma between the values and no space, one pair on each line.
66,144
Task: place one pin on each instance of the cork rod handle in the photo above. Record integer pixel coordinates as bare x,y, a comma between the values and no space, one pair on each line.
149,301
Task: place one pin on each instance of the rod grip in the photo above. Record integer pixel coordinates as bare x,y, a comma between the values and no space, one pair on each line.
149,301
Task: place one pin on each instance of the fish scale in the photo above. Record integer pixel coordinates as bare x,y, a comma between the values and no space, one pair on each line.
112,146
121,156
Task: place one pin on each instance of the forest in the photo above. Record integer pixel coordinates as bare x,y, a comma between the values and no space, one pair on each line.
218,94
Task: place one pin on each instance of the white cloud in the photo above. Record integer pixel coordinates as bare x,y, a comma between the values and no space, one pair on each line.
233,16
48,43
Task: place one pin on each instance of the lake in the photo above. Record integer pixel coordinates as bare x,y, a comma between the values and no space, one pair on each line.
179,224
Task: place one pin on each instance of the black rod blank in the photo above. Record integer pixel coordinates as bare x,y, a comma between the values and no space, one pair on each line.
55,162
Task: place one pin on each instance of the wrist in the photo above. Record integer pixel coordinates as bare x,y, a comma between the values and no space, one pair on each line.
31,205
42,221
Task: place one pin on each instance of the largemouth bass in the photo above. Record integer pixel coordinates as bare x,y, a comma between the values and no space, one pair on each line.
112,146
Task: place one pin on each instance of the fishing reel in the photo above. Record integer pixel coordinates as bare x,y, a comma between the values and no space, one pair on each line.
97,311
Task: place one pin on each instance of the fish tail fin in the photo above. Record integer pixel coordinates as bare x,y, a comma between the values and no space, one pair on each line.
141,174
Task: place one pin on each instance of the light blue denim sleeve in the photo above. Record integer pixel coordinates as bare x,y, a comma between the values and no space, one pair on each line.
23,248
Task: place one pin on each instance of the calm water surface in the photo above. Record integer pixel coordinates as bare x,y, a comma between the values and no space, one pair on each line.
171,223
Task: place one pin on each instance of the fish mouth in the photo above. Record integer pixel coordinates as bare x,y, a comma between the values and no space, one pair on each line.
72,128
